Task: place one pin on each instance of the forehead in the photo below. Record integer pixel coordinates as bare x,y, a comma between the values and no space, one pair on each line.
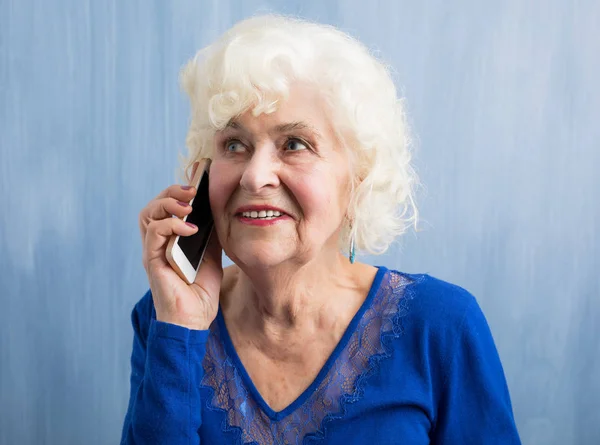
305,110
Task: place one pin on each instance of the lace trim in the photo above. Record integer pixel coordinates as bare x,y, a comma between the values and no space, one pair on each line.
344,383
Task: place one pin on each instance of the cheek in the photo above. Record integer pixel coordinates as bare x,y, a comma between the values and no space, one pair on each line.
318,196
324,194
222,184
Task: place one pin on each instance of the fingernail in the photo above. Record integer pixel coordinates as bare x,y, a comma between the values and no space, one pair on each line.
193,226
186,187
181,203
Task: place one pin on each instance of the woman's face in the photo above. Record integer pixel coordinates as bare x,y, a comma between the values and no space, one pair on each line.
288,161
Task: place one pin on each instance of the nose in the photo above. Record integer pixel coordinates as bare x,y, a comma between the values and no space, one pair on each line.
261,170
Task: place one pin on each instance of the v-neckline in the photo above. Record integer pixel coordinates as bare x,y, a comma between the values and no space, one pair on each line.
277,415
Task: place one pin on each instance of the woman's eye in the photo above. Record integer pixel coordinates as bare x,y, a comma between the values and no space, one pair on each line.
295,145
234,147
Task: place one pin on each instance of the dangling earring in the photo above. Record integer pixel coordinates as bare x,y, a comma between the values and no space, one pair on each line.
352,253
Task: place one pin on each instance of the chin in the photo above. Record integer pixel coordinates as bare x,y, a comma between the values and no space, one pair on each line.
260,260
255,256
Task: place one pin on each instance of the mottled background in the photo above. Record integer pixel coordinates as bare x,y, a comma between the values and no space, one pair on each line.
504,101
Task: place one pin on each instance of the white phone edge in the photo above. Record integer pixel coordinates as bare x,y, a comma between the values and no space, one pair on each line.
184,264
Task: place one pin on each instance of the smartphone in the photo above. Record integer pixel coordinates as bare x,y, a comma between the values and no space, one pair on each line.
185,253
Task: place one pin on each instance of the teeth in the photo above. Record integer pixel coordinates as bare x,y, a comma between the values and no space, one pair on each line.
263,214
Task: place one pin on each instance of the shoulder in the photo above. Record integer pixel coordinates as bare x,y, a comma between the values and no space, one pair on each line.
439,319
431,302
443,322
446,338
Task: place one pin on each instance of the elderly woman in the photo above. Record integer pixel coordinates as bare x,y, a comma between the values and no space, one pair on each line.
295,342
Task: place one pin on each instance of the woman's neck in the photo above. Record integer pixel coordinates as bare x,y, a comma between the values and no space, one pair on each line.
283,306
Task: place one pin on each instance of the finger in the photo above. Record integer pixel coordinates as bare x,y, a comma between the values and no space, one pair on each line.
166,208
162,208
158,235
178,192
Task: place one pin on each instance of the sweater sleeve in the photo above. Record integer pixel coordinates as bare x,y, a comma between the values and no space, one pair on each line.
475,406
166,370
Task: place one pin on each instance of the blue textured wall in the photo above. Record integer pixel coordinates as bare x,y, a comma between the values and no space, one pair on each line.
504,101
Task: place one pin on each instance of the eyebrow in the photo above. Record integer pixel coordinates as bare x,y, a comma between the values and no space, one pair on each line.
281,128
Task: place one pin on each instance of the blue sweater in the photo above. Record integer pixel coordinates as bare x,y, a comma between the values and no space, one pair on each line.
417,365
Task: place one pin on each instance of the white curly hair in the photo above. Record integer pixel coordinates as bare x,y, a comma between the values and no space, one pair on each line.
252,66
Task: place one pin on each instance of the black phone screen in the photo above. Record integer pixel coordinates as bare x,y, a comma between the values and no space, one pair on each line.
193,246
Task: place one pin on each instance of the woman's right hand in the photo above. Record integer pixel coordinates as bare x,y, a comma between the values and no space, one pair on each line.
195,305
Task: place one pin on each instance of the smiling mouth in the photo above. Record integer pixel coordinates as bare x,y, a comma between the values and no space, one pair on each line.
262,214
